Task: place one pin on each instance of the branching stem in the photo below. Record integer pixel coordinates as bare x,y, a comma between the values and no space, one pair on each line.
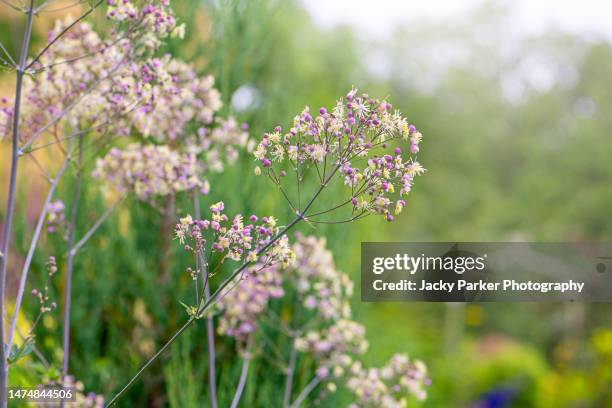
10,205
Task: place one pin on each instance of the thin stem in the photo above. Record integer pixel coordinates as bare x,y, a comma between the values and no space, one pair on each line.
212,300
64,31
292,356
277,182
95,227
246,359
10,205
70,263
70,106
40,168
90,54
307,390
41,8
362,214
31,250
210,324
7,54
200,311
151,360
289,377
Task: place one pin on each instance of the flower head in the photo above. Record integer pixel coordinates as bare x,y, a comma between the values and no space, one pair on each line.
390,385
149,171
321,287
242,306
357,141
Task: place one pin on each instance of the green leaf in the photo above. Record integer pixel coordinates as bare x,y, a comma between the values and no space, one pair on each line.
191,310
22,351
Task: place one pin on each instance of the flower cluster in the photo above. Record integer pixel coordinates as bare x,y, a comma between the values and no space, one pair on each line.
149,170
55,215
234,238
89,82
222,141
334,347
180,97
388,386
360,139
242,306
155,17
106,76
43,295
320,286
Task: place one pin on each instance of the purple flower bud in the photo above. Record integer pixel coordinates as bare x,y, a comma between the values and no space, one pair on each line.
397,150
266,163
347,131
278,129
283,173
253,218
322,372
245,126
414,148
411,129
322,111
389,217
354,200
351,121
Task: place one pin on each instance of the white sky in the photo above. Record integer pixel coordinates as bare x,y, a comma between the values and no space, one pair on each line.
376,17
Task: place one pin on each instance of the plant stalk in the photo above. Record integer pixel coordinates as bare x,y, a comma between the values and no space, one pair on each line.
289,377
70,263
95,227
10,205
210,325
246,359
301,216
33,243
307,390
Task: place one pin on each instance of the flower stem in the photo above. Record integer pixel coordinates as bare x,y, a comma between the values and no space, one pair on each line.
70,263
307,390
212,300
210,328
10,205
33,243
201,310
289,377
292,357
246,359
74,249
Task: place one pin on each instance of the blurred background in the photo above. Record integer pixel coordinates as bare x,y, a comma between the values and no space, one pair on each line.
514,100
